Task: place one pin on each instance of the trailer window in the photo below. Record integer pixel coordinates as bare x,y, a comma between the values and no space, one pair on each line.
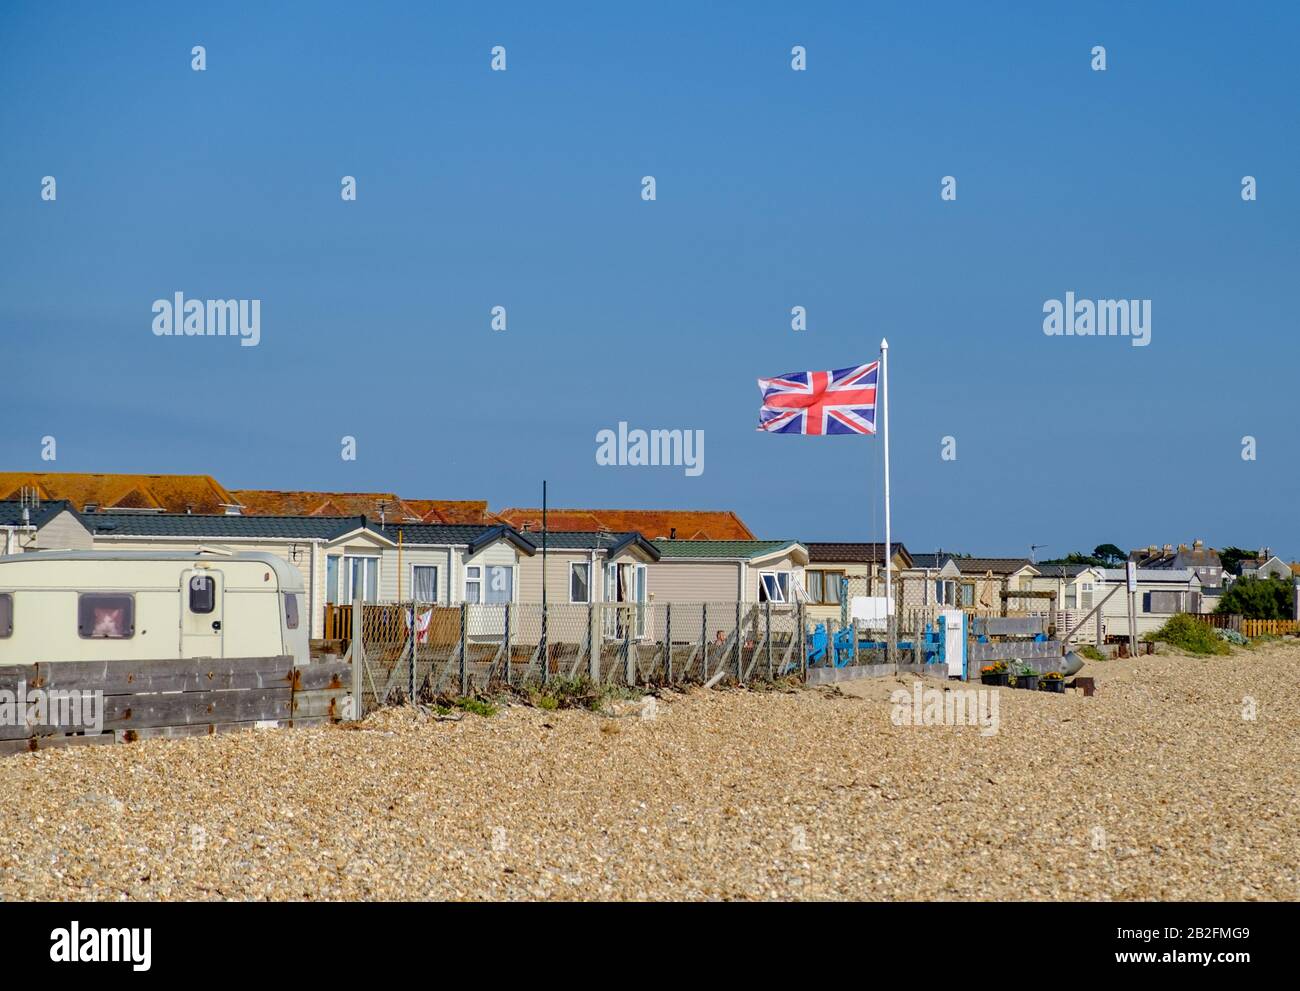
6,614
203,594
105,617
291,610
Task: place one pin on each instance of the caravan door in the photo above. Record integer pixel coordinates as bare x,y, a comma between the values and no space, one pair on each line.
201,612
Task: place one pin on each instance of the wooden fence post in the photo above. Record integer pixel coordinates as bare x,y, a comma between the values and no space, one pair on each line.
704,641
358,659
740,663
595,636
629,665
668,642
509,670
411,673
767,636
803,643
464,667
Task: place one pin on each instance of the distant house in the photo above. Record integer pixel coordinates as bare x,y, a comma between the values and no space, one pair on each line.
973,583
1161,593
723,573
1077,588
933,580
384,506
588,567
728,571
45,527
451,563
1200,560
89,493
1075,585
654,524
863,564
1265,564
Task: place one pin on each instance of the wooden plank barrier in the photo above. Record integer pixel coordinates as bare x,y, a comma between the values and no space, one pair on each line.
138,699
1273,627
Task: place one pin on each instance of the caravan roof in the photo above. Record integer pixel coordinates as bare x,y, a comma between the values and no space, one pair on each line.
287,576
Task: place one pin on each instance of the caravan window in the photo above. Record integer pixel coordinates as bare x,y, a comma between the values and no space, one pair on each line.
6,614
291,610
579,581
500,584
103,616
424,582
773,586
203,594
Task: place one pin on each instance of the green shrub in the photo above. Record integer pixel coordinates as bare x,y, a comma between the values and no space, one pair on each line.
1090,652
477,706
578,693
1258,598
1263,638
1191,635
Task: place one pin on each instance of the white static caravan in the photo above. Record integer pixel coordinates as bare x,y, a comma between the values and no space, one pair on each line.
149,605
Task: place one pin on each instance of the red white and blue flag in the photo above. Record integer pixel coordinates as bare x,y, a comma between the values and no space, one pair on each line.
842,401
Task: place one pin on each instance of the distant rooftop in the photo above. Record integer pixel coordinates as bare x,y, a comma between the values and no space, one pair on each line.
655,524
721,548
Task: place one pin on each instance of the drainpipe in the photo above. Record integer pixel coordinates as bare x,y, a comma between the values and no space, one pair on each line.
313,589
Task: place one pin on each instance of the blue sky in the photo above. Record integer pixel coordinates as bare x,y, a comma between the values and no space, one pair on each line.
775,189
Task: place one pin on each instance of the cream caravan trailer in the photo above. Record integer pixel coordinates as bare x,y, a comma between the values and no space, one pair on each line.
149,605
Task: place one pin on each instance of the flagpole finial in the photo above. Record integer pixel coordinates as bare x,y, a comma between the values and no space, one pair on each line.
884,344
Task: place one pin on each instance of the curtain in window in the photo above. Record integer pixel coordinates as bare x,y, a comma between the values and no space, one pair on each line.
425,583
579,583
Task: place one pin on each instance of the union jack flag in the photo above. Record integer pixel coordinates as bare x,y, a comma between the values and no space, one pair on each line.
842,401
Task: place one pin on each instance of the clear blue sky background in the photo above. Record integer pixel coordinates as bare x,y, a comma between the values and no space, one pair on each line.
775,188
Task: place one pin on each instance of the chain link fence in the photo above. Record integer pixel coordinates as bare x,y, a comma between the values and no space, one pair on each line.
426,651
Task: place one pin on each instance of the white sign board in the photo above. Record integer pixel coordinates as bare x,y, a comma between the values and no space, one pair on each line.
869,611
1132,570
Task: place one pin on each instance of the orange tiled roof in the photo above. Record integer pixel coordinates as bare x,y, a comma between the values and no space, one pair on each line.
270,502
168,493
689,524
452,510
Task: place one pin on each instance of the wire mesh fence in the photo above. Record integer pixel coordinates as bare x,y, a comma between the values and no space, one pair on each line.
424,651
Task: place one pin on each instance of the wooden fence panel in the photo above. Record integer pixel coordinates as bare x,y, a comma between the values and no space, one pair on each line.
170,697
1262,627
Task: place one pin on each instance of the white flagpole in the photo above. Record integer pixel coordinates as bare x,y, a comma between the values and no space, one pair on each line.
884,402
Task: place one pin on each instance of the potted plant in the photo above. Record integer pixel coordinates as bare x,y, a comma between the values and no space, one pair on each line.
994,674
1052,681
1026,677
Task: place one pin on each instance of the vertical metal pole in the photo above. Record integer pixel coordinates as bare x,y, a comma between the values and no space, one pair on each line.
740,663
884,402
803,643
704,641
767,636
545,646
464,667
546,662
629,667
358,659
509,670
411,697
668,643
